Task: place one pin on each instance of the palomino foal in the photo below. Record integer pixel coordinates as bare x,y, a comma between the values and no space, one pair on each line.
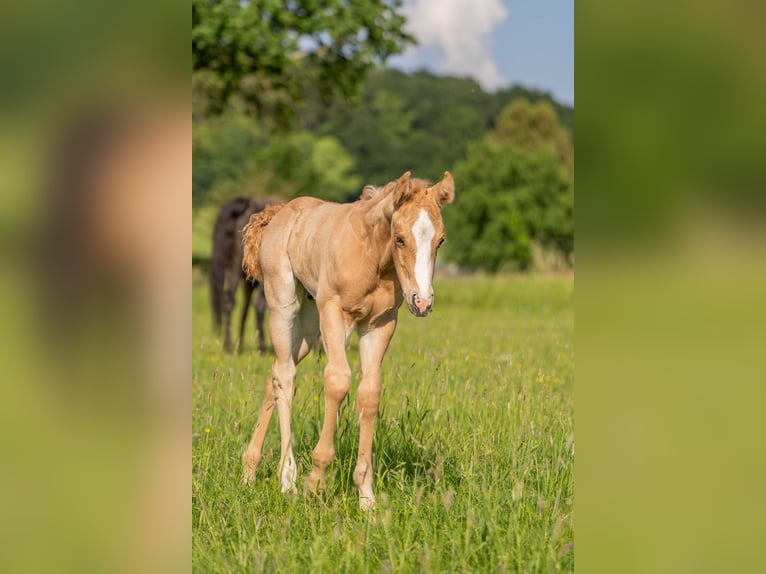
329,269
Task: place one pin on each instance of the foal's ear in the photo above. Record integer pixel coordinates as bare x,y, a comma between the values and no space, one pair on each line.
445,189
403,190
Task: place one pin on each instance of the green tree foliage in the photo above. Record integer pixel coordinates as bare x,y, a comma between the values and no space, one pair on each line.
418,121
299,163
268,52
222,148
335,168
515,190
534,126
233,156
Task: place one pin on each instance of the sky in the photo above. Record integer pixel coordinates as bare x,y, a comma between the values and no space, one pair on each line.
499,43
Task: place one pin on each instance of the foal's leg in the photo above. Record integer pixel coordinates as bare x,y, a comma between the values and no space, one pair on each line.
294,331
337,380
373,343
277,393
252,457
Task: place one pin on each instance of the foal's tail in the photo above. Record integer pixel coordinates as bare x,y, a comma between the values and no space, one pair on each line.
252,235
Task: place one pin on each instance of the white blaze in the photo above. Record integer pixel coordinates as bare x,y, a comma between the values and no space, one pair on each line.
424,231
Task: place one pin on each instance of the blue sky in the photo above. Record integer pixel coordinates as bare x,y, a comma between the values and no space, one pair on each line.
497,42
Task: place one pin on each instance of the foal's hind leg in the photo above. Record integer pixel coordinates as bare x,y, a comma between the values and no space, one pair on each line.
293,333
280,386
252,457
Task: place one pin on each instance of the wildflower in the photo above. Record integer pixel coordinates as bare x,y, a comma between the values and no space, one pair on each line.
207,430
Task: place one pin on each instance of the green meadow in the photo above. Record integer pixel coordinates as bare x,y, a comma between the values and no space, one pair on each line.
474,445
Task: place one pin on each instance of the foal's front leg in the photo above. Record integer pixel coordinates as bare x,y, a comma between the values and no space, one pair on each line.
373,343
337,381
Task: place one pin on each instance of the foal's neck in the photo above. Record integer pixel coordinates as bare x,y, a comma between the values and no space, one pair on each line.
377,220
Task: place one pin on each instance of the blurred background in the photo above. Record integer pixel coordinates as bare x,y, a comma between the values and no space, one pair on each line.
95,173
671,276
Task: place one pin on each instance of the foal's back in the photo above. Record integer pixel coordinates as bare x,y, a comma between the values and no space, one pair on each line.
316,239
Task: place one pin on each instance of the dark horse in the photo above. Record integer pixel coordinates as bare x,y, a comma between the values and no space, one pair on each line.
226,269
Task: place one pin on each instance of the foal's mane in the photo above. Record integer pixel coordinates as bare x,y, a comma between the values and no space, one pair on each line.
373,191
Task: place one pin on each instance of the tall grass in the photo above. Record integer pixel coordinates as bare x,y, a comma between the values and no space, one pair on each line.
474,446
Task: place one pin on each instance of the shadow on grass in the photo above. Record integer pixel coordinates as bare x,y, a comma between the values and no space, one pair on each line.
405,452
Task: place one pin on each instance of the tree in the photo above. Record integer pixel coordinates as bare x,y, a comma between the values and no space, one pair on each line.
299,163
515,189
233,156
534,126
419,122
335,167
268,52
222,148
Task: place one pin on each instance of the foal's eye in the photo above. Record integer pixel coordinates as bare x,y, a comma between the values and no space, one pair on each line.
399,240
440,242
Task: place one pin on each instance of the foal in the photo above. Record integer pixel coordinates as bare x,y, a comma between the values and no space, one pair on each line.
328,269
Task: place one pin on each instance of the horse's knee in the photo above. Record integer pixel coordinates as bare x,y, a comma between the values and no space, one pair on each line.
368,395
337,382
367,402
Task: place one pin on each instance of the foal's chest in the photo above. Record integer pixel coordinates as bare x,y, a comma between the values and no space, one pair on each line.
383,299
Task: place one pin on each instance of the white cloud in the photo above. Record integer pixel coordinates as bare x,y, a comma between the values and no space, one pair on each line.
460,33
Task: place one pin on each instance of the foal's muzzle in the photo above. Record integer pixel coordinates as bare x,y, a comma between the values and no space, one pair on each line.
418,306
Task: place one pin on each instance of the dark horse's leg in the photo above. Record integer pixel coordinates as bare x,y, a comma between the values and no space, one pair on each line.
229,295
247,288
260,313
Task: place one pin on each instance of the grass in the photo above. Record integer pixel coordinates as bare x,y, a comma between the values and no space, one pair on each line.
474,445
203,223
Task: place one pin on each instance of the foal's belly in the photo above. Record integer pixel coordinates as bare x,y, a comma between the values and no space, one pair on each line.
309,285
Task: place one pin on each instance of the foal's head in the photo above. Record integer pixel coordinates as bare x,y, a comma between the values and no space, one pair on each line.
417,232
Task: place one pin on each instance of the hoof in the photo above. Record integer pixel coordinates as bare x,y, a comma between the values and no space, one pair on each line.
248,475
289,489
314,486
288,474
249,466
367,503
